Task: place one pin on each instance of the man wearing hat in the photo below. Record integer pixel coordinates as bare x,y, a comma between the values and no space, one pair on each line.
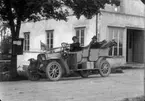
95,44
75,46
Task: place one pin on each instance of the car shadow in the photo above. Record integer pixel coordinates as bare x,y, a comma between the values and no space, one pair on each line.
78,78
68,78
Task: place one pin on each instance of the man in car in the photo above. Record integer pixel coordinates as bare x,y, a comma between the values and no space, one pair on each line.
95,44
75,46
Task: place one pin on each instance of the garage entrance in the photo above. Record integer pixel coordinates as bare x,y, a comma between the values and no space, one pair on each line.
135,46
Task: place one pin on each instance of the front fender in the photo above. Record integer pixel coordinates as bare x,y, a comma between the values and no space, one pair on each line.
97,63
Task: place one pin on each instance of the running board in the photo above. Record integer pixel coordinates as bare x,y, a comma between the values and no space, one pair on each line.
85,69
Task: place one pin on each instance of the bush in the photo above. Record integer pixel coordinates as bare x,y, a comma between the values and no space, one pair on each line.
4,72
5,46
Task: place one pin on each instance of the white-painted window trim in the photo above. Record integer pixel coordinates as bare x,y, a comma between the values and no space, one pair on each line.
117,39
26,41
50,38
81,34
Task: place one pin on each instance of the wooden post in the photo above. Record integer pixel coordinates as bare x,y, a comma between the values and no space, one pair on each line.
13,60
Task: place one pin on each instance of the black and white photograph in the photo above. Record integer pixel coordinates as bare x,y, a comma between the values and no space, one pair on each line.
72,50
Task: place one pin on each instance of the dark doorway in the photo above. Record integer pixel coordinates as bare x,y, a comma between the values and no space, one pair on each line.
135,46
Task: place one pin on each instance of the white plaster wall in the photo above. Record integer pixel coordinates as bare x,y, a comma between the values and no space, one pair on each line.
119,20
63,32
131,7
23,59
135,7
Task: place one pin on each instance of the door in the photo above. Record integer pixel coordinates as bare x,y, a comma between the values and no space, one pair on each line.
138,46
129,45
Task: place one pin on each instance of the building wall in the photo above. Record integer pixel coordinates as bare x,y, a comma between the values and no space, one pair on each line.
134,7
131,7
63,32
129,14
121,21
118,20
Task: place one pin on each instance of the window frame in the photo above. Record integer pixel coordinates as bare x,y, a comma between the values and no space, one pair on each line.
26,41
80,36
119,47
49,38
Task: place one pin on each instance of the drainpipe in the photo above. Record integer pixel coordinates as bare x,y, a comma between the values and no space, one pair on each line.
97,25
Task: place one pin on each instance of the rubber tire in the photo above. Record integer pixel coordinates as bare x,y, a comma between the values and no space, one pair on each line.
100,66
48,69
84,73
33,77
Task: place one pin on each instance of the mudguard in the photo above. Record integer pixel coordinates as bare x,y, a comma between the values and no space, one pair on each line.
97,63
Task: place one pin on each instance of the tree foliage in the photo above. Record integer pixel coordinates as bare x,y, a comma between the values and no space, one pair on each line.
143,1
88,8
5,45
15,11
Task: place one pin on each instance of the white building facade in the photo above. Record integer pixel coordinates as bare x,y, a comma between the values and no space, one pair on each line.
125,24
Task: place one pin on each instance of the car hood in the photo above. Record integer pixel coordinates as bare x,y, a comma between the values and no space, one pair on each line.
53,56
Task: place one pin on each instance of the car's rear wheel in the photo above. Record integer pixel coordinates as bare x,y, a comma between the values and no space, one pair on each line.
54,70
84,73
104,68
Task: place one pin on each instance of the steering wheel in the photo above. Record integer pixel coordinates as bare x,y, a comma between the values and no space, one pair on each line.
65,46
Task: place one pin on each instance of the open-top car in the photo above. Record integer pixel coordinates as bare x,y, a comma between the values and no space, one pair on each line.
59,62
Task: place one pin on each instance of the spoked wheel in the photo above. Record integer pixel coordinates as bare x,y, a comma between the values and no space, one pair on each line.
54,71
104,68
33,76
84,73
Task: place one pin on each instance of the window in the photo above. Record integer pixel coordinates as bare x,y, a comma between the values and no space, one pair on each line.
80,32
26,41
117,34
49,38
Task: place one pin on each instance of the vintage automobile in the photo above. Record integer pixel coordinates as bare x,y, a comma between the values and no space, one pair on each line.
59,62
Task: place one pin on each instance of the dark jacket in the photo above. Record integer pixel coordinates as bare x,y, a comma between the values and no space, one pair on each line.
75,47
95,45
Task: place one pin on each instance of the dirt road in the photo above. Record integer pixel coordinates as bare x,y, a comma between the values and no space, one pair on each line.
95,88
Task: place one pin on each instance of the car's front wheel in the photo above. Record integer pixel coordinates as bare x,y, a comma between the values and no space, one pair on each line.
104,68
54,70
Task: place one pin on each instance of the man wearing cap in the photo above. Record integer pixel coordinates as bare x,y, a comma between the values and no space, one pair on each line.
95,44
75,46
